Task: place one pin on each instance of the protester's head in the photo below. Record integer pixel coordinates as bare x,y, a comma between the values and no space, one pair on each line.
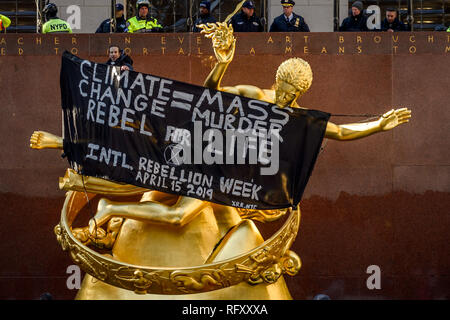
119,10
288,7
248,8
205,7
50,11
357,8
391,14
114,52
142,7
293,79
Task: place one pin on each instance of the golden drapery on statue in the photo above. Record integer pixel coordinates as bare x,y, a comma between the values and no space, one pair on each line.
163,246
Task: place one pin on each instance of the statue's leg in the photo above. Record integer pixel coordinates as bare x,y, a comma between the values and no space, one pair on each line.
240,239
179,214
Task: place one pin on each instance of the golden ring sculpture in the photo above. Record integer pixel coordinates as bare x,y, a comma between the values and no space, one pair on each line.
265,263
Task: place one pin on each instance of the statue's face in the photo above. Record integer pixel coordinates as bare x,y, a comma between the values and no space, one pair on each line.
285,94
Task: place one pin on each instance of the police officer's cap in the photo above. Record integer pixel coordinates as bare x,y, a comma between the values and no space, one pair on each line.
249,4
205,4
50,9
142,3
119,7
287,3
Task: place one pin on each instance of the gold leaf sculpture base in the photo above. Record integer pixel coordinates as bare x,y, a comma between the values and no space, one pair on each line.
240,266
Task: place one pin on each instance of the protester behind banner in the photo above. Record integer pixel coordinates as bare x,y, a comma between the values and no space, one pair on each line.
119,58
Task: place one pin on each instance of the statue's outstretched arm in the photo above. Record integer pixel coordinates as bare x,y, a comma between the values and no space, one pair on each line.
353,131
45,140
224,45
74,181
179,214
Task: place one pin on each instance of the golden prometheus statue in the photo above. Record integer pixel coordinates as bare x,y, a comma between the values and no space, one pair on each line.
164,246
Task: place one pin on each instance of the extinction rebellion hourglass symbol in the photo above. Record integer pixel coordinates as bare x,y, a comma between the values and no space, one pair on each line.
173,154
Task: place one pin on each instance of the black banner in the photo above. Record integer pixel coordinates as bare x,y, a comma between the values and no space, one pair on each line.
184,139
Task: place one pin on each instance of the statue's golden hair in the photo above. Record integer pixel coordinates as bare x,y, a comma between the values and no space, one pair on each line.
297,72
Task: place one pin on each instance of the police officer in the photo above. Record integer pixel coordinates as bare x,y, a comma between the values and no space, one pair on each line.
143,21
289,21
246,20
121,23
205,16
54,24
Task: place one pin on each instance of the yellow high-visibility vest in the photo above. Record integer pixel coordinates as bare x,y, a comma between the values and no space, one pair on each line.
4,22
56,25
142,25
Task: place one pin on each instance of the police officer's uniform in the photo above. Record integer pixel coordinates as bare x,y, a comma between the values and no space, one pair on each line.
294,23
56,25
137,24
242,23
4,22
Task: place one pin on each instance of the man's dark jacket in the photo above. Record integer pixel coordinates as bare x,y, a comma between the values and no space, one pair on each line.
123,60
203,19
354,23
241,23
105,26
296,24
396,25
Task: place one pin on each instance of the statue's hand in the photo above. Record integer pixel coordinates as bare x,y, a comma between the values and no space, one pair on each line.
44,140
393,118
223,41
